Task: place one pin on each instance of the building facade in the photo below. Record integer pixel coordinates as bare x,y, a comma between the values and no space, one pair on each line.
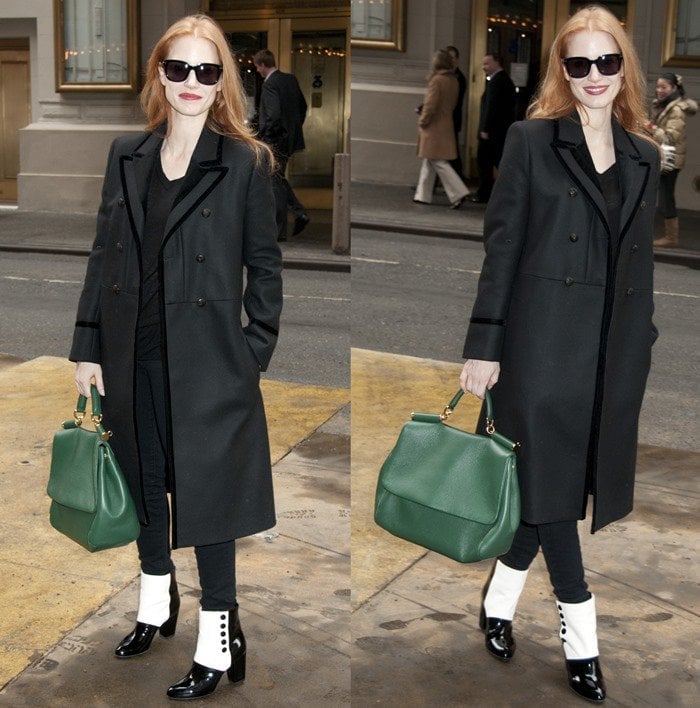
70,72
389,75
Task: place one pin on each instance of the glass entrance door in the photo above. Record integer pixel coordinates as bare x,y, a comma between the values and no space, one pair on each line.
318,62
315,50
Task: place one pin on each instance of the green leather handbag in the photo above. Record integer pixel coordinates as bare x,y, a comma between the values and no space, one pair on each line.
448,490
91,503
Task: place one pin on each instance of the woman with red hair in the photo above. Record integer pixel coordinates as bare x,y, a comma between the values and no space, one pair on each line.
187,211
561,327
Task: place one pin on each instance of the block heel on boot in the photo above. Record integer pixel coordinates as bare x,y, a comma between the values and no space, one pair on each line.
237,671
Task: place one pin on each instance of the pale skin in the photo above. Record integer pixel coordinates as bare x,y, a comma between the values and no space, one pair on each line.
189,103
596,93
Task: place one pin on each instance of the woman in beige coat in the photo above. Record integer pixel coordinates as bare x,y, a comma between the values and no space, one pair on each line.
436,140
669,112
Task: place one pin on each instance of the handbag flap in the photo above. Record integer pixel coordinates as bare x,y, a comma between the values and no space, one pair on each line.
448,469
75,457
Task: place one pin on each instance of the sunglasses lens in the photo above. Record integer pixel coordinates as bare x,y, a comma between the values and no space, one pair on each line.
208,74
176,70
578,67
609,64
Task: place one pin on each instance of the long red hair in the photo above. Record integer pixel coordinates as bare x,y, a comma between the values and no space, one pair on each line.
554,98
227,115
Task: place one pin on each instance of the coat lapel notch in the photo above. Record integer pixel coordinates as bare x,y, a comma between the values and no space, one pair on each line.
203,174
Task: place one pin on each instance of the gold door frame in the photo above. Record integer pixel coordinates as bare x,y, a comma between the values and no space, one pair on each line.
15,51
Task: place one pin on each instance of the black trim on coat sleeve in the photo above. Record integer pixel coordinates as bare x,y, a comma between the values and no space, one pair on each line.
487,320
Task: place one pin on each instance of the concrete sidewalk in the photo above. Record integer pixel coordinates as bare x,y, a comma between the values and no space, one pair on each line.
390,208
73,234
415,613
62,609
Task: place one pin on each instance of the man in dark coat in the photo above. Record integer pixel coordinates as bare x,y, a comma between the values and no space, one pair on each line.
280,119
459,108
496,115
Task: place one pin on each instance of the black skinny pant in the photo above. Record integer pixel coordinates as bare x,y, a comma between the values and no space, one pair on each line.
667,194
216,563
562,554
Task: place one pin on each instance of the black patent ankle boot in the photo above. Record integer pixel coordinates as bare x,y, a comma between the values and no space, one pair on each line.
499,636
139,641
586,679
201,680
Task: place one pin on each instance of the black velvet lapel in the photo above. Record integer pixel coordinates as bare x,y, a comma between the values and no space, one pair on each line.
203,174
568,139
634,172
136,171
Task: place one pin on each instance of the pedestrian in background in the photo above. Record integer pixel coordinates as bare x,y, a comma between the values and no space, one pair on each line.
436,138
496,115
187,207
459,108
561,330
281,116
669,112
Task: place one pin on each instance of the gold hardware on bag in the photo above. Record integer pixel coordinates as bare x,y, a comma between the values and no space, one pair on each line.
446,413
106,435
78,416
96,418
490,427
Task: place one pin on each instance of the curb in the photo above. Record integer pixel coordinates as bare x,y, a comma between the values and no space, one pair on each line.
690,259
292,263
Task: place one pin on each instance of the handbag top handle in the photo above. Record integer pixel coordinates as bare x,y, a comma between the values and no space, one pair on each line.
96,417
489,408
490,425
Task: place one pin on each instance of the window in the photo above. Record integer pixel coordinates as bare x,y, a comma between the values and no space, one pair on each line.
96,45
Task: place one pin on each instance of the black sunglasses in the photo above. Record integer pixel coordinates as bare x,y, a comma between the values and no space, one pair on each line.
580,67
178,71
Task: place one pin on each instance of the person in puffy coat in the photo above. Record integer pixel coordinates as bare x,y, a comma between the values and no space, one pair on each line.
561,330
185,243
669,112
436,138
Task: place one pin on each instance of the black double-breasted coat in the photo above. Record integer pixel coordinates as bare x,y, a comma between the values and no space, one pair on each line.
569,319
222,223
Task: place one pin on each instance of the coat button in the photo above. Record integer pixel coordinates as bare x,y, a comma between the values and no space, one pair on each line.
120,247
635,247
573,238
121,201
630,291
116,289
572,192
199,258
643,205
568,282
206,213
201,302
